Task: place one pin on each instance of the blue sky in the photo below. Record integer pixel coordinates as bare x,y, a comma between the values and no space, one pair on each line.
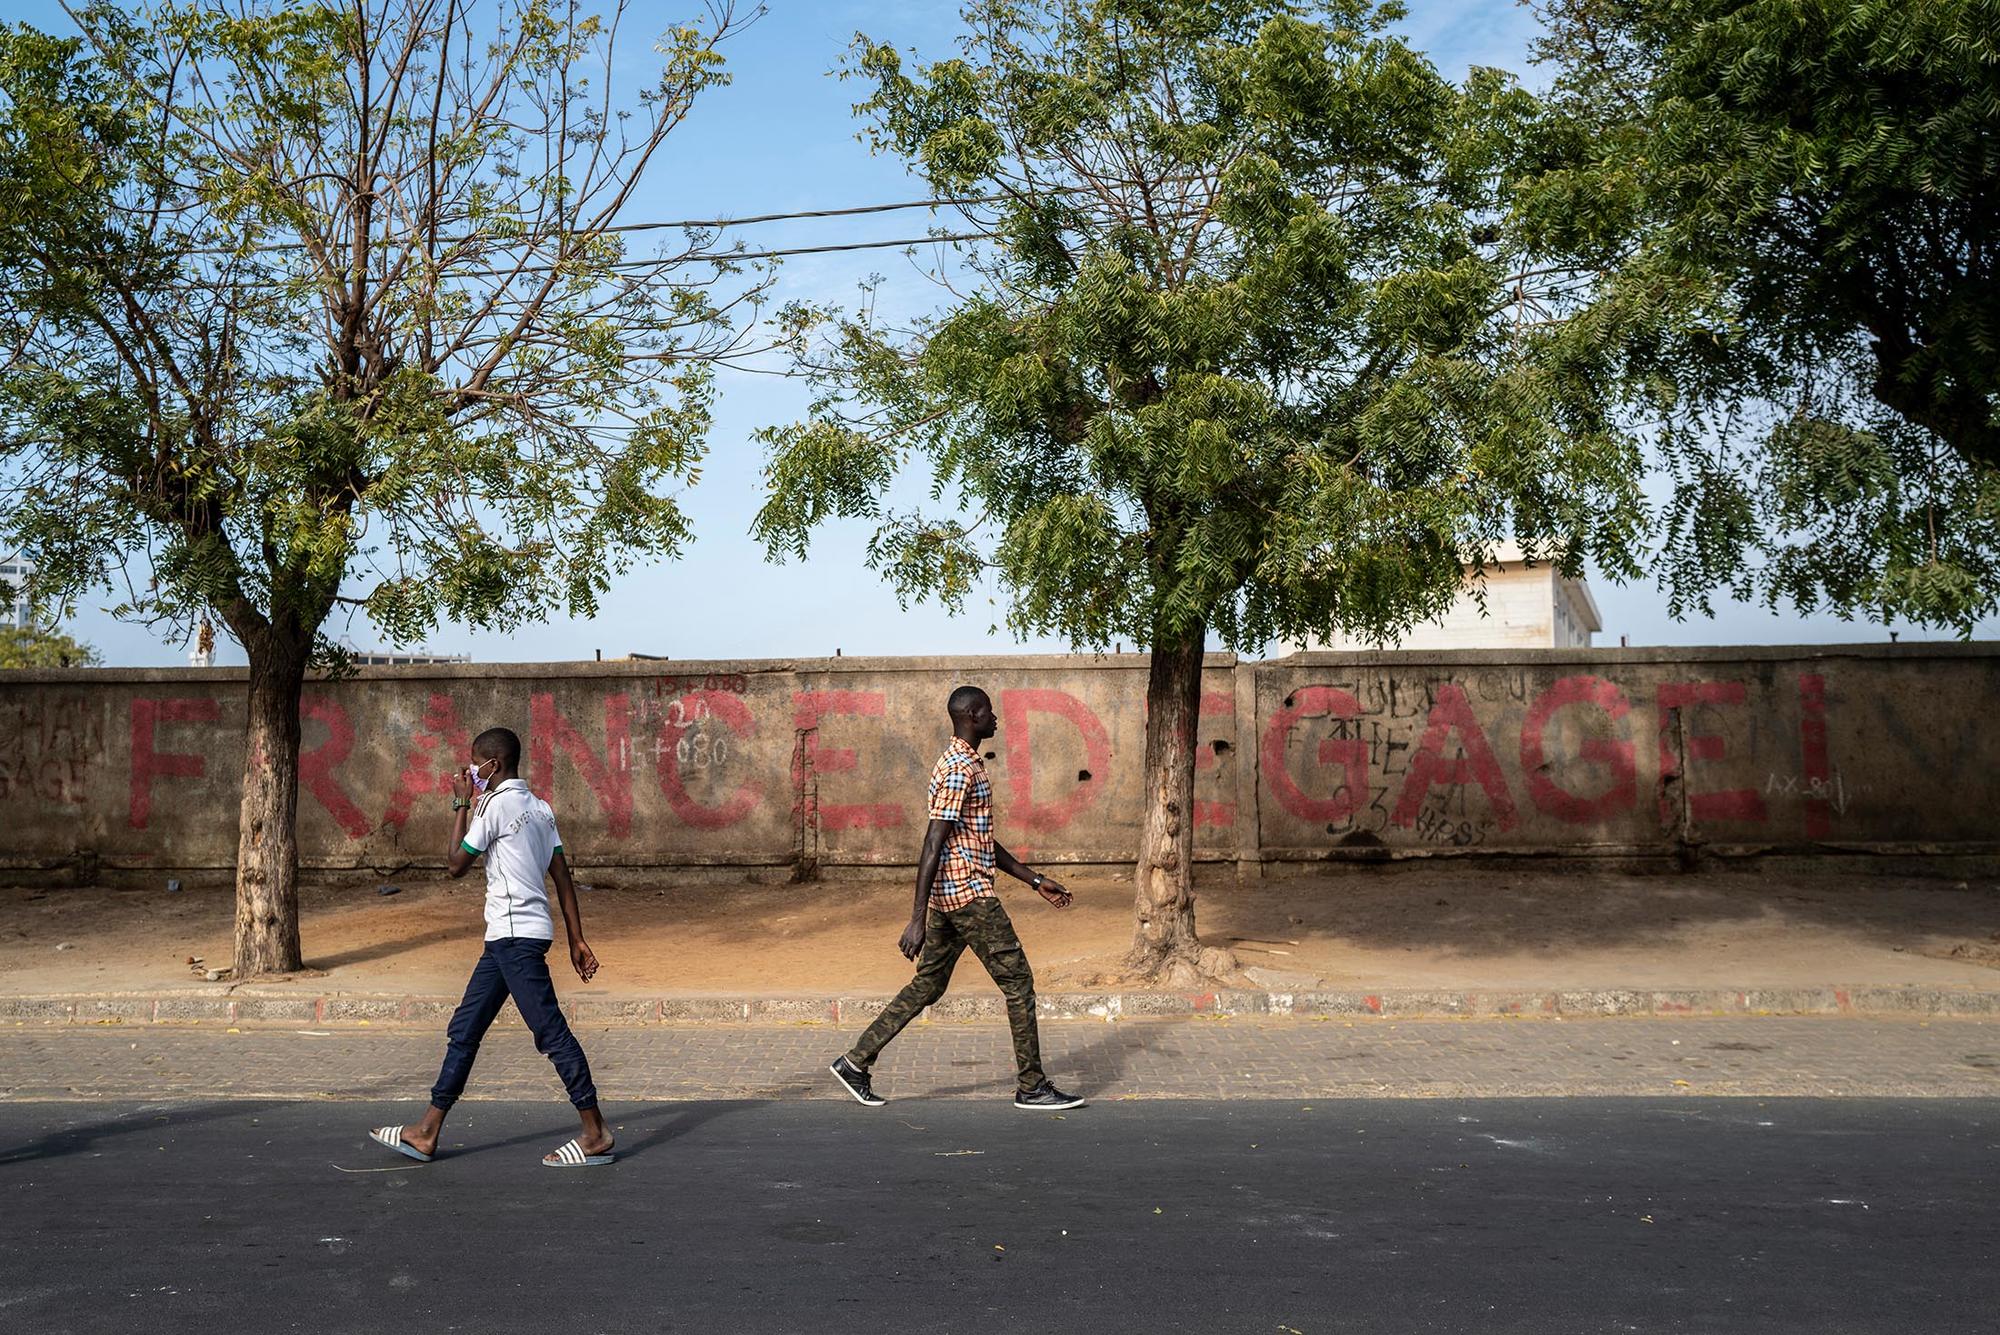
780,139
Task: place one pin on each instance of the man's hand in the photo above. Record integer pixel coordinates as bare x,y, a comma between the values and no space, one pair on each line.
912,940
1053,891
461,785
585,960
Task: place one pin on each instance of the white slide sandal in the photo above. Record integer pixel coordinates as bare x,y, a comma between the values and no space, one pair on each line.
571,1155
392,1136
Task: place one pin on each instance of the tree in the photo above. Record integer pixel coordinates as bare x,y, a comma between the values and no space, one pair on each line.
35,647
1794,204
1253,353
328,306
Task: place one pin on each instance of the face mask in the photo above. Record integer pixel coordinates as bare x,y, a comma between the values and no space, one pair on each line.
478,779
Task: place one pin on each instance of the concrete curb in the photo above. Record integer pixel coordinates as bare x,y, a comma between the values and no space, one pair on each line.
279,1008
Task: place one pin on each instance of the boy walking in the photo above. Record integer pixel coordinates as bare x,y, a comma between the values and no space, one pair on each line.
955,908
516,832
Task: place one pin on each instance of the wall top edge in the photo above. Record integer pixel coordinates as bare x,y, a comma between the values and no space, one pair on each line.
625,669
971,665
1641,654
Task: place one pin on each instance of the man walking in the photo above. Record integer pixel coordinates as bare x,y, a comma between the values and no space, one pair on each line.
956,907
516,833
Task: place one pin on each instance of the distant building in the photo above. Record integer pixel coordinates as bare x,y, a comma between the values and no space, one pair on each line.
1527,607
15,573
362,658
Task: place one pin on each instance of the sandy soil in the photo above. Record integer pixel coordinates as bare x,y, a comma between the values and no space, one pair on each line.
1417,926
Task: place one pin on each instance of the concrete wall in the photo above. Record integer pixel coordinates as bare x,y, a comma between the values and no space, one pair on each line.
822,762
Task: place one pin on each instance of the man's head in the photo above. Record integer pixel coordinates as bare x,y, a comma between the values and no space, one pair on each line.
971,714
496,754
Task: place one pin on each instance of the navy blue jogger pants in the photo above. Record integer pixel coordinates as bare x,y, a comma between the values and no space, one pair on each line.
517,967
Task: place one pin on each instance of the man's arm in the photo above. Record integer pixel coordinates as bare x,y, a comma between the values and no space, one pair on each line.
911,943
1048,888
580,953
458,860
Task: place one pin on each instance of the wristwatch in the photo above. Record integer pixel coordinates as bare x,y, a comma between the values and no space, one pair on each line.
1037,881
460,804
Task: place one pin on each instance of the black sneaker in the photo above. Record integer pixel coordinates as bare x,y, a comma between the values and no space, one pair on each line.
855,1081
1045,1097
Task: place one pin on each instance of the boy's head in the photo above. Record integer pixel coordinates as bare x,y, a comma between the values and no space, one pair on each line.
496,752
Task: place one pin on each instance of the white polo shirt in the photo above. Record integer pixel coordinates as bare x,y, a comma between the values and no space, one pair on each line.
517,832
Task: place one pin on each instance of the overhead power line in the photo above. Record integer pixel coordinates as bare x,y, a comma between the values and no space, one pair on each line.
806,213
721,224
813,250
668,261
717,224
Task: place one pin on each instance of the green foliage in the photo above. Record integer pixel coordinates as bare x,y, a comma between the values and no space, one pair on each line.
310,305
34,647
1793,203
1881,516
1257,347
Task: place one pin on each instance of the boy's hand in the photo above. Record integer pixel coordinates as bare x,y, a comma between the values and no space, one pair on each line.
585,960
1053,891
912,940
461,785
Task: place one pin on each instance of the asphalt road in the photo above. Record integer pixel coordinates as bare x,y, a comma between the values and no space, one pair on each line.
1542,1217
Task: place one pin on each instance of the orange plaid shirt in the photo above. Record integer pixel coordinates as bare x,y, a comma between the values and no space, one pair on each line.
961,794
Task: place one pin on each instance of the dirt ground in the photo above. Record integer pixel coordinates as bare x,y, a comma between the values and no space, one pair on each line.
1414,926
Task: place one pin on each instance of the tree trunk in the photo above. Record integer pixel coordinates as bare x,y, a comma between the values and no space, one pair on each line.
1164,945
1963,418
267,850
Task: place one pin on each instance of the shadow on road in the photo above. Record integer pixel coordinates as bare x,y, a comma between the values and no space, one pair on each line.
1088,1070
658,1125
77,1139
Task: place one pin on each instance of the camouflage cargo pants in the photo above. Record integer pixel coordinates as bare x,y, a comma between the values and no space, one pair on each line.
984,925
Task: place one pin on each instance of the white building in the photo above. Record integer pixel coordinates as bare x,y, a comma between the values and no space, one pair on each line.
388,658
15,572
1527,607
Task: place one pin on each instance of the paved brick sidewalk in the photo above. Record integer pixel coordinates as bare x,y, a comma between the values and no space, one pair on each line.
286,1006
1294,1059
